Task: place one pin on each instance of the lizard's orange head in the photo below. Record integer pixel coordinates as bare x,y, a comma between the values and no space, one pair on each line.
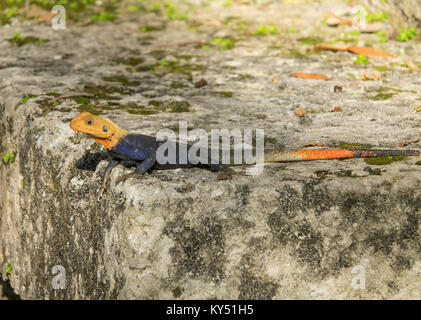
100,129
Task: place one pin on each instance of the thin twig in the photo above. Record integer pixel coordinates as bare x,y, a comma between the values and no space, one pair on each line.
71,95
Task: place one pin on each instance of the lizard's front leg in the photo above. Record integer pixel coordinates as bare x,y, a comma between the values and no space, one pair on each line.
141,169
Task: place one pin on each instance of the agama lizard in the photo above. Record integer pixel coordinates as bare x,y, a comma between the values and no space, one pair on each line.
141,149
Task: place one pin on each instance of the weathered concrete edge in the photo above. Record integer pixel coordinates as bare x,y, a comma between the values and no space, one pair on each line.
90,239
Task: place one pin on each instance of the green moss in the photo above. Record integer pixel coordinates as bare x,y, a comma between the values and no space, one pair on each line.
376,16
265,30
90,108
8,158
152,28
19,41
407,34
223,43
382,68
245,76
177,292
382,96
104,92
270,140
176,67
295,53
170,106
361,60
224,94
121,80
177,85
103,16
174,14
26,98
311,40
347,145
9,268
82,100
146,38
53,94
130,61
184,56
384,160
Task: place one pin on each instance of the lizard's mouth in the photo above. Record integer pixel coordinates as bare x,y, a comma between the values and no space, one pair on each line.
105,142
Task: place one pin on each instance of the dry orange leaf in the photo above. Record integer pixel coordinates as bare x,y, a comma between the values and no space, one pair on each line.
336,109
334,20
315,76
358,50
367,76
300,112
40,14
369,52
275,80
329,47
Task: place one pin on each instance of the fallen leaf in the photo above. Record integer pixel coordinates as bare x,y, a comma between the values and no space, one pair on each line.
369,52
300,112
357,50
334,20
40,14
336,109
315,76
313,144
417,108
329,47
412,65
275,80
367,76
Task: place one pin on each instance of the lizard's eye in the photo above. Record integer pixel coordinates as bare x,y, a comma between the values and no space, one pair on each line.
105,128
89,122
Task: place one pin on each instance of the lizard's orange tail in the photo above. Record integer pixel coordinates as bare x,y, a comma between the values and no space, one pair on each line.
323,154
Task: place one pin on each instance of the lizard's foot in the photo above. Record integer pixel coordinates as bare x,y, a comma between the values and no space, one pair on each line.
101,193
225,173
128,176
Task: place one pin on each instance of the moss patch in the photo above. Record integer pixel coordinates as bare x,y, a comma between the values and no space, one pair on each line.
19,40
224,94
382,96
384,160
121,80
311,40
